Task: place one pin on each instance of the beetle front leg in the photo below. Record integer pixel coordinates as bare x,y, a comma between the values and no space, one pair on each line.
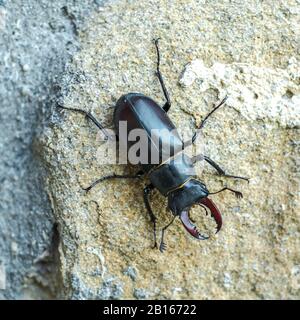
220,171
162,245
167,105
153,218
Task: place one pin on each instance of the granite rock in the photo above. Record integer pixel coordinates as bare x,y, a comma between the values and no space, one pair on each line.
246,50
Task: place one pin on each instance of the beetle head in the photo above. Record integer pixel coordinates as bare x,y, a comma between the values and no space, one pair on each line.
182,200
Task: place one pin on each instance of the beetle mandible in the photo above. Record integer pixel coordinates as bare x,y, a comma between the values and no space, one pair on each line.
174,176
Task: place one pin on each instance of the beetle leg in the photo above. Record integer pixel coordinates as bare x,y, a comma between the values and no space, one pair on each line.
114,176
91,117
167,105
153,218
220,171
162,245
238,194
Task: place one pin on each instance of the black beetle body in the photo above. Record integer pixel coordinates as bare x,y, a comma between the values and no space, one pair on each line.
171,174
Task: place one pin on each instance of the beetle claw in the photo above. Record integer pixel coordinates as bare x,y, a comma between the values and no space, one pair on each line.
238,194
162,247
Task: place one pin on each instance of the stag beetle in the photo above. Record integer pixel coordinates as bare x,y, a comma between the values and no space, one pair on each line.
174,176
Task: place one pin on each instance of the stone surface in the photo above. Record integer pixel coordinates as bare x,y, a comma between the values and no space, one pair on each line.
36,40
256,93
245,49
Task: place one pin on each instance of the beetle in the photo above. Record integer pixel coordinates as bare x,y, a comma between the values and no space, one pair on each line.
174,176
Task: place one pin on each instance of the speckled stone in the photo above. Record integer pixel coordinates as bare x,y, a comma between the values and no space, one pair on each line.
245,49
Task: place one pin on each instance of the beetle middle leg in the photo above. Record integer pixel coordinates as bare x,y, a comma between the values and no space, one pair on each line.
220,171
114,176
167,105
153,218
91,117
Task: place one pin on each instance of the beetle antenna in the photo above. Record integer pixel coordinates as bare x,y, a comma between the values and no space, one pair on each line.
207,116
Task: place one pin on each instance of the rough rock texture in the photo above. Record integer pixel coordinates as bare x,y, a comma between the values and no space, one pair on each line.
245,49
36,40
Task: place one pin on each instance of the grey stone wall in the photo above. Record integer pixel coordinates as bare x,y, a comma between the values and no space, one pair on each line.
37,38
